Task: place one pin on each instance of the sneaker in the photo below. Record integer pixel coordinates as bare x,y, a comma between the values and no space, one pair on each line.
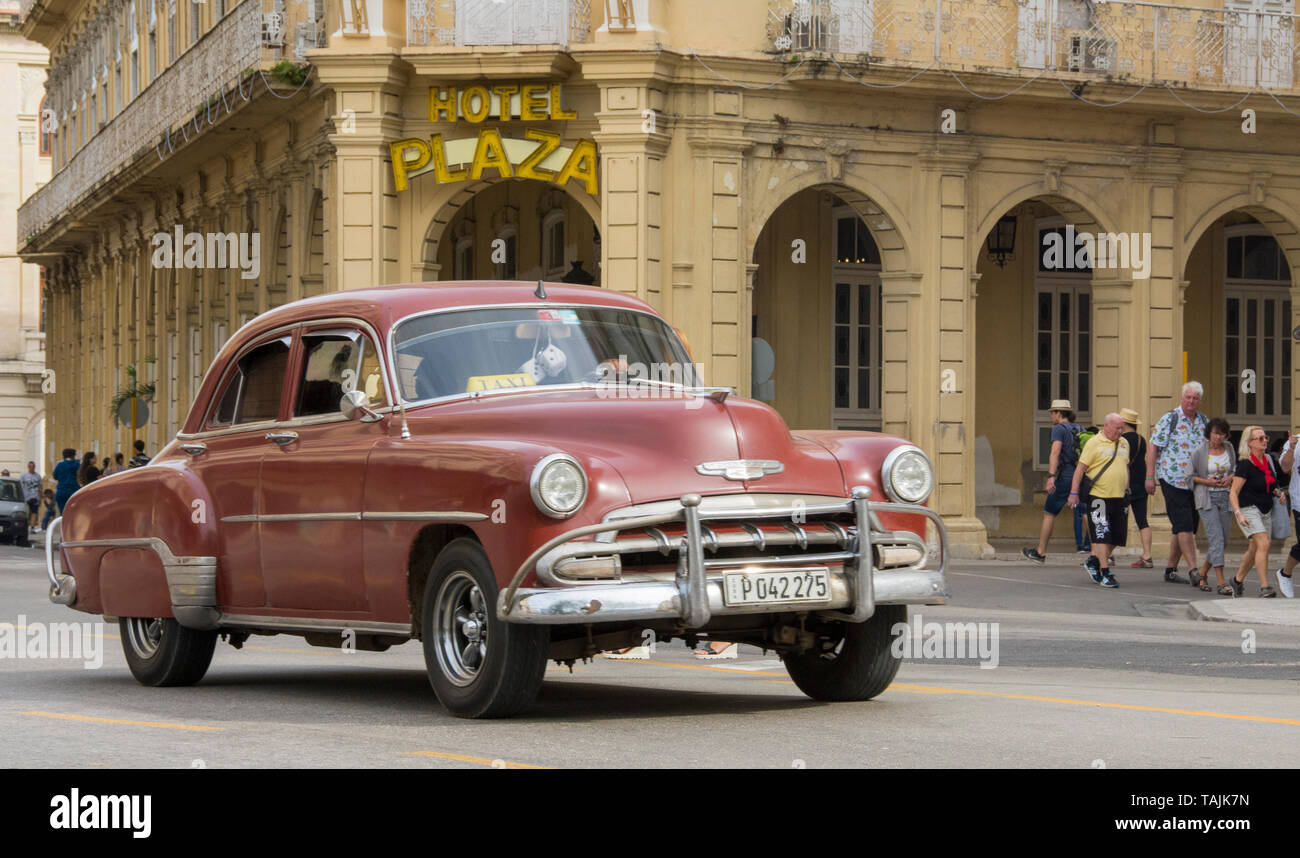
1094,569
1032,554
1267,592
1172,576
1082,551
1286,585
1108,580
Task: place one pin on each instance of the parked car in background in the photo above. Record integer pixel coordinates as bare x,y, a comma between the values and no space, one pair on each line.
509,473
13,513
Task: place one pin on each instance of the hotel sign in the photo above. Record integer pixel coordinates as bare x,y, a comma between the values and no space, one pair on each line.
537,155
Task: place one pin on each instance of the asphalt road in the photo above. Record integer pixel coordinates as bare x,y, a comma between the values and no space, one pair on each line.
1085,677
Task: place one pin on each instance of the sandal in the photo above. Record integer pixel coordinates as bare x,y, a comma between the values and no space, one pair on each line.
1141,563
708,652
1225,590
1200,582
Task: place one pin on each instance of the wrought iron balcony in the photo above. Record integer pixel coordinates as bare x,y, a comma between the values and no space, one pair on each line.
1249,43
497,22
175,106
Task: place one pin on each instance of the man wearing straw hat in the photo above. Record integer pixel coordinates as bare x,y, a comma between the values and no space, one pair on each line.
1060,472
1137,474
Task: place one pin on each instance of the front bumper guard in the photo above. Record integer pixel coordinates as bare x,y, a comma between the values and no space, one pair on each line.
694,599
63,588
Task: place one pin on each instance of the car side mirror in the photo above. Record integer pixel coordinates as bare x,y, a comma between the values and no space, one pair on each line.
354,403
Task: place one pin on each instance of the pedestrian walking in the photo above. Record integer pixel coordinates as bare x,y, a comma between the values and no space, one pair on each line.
1291,465
87,473
139,460
31,485
65,477
1137,474
1060,471
1256,481
1101,484
1213,465
1176,436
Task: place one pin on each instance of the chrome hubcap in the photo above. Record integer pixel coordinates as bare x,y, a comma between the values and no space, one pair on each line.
144,635
460,628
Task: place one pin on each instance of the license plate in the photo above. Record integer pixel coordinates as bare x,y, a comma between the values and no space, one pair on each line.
776,585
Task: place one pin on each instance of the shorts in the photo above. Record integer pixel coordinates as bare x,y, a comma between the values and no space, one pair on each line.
1138,503
1256,521
1057,499
1108,520
1181,506
34,506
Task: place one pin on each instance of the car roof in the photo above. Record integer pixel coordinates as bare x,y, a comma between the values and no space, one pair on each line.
383,305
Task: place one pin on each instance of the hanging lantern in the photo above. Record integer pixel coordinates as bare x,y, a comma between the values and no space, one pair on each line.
1002,240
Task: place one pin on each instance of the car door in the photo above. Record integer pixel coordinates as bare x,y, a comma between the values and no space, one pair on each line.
313,475
227,457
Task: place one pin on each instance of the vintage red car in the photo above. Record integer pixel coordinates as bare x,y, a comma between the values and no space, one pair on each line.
509,473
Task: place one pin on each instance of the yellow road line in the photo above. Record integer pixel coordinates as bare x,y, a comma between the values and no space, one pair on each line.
733,671
482,761
88,718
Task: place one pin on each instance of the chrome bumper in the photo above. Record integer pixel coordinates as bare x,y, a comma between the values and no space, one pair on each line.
694,597
63,588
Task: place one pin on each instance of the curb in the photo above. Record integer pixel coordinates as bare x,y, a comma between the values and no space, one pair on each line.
1267,612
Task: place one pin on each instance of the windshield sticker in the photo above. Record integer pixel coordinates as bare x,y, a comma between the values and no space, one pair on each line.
499,382
568,317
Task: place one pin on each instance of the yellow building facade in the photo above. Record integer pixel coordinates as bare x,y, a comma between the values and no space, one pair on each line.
845,205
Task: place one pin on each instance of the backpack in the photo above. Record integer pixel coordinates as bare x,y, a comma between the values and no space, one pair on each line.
1081,437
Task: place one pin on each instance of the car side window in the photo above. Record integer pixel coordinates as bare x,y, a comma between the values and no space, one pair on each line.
334,362
252,393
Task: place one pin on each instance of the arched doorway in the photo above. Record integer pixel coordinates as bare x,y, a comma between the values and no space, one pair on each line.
1034,343
817,327
513,229
1238,320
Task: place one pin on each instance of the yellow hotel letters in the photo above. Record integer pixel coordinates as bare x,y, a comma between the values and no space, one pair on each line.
538,156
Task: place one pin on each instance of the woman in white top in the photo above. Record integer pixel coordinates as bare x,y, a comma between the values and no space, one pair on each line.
1211,468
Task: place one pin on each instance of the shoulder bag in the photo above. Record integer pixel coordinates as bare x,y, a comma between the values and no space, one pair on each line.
1086,484
1281,519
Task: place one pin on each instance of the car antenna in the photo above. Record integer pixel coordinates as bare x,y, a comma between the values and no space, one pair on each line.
541,290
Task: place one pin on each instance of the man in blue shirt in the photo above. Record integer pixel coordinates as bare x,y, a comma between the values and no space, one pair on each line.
65,475
1060,471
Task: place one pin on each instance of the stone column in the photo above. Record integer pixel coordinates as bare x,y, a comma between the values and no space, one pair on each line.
1115,336
938,345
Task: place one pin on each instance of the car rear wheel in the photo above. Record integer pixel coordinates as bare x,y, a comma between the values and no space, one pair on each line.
162,652
854,661
479,666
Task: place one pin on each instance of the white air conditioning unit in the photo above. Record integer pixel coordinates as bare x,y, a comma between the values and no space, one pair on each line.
1091,54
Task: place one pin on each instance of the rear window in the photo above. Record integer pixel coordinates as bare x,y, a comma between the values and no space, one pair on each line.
252,392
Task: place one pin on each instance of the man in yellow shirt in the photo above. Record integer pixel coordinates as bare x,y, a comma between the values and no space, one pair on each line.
1104,461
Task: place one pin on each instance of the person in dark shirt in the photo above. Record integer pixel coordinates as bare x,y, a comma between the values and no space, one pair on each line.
65,475
1137,475
139,459
87,473
1060,471
1256,481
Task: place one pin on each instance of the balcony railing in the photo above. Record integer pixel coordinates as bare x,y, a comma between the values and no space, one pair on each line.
1250,43
497,22
175,105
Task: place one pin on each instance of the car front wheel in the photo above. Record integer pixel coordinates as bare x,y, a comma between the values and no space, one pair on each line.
852,661
479,666
162,652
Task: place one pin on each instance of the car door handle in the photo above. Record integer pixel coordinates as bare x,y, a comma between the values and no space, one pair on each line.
282,438
194,449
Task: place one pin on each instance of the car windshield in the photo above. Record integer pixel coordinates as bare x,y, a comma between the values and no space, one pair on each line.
10,490
443,354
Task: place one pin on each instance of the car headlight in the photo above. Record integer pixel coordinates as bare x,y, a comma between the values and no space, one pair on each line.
558,485
907,475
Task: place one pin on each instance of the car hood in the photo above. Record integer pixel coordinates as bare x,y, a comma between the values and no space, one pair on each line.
656,444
